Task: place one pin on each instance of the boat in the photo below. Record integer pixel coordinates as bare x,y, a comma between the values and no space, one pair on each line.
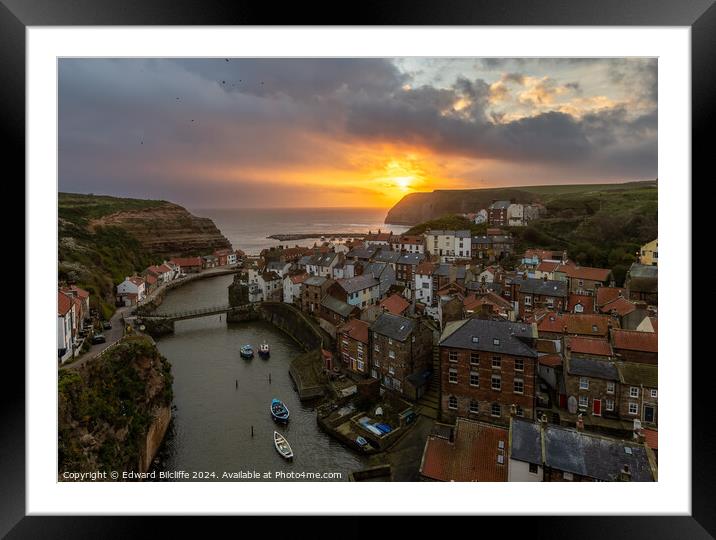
246,351
264,350
282,446
360,441
279,411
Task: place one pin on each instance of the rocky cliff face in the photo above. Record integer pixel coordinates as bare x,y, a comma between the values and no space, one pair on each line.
168,230
419,207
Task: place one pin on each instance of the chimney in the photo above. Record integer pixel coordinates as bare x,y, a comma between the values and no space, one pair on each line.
625,474
580,422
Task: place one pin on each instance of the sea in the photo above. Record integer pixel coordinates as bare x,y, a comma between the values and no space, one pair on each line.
248,229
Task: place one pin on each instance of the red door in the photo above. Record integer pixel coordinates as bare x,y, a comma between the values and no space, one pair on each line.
597,407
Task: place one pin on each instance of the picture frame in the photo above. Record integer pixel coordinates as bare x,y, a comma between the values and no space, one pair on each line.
700,16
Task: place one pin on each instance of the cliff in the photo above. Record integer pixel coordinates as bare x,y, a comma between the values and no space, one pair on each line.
104,239
114,411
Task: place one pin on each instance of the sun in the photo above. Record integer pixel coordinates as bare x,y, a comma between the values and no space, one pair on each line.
403,182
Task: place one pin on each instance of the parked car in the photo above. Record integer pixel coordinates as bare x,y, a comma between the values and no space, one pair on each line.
107,325
98,338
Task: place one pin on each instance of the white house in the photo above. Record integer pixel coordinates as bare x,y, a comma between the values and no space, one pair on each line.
271,286
361,291
292,288
424,283
516,215
231,258
449,245
65,311
131,290
481,216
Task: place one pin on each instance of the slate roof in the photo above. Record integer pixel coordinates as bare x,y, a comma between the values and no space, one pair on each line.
543,287
472,457
411,258
361,253
589,367
500,205
337,306
485,332
315,280
306,259
525,442
386,256
443,270
393,326
643,278
324,259
358,283
594,456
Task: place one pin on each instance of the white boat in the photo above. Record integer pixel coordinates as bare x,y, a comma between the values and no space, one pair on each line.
282,446
264,350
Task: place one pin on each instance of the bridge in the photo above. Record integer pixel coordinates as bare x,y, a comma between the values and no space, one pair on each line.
195,313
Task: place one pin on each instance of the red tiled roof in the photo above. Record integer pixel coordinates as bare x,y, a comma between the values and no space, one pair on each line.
222,252
585,345
621,306
187,261
426,268
547,266
541,254
411,239
607,294
395,304
473,301
585,272
151,279
76,290
472,457
355,329
651,438
550,360
586,301
163,268
299,278
576,323
633,340
137,280
64,303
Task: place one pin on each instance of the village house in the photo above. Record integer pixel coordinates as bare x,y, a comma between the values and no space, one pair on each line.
65,315
635,346
584,279
222,256
400,347
580,303
131,291
649,253
312,292
271,286
449,245
486,367
642,283
497,213
597,348
188,265
378,239
405,271
361,291
292,287
395,304
531,294
532,257
353,346
82,299
542,452
424,283
447,273
638,392
592,385
408,243
151,282
278,266
480,217
209,261
381,271
362,253
555,325
336,312
485,302
472,452
387,256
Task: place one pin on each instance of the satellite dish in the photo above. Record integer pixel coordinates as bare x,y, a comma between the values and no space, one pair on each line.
572,404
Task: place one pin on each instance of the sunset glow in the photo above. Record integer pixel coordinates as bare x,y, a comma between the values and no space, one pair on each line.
349,132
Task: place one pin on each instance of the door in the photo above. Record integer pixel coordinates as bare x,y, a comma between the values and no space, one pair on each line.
649,413
597,407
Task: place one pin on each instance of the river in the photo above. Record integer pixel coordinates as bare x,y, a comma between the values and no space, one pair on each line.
211,428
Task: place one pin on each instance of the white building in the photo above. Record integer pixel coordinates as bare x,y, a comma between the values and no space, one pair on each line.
449,245
481,216
292,288
424,283
516,215
131,290
65,315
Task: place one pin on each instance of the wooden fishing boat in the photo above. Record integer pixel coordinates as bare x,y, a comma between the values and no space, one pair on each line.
279,411
282,446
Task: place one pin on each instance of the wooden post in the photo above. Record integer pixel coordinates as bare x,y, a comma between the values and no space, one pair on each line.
252,431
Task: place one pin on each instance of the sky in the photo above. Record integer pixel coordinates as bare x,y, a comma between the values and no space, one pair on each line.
359,132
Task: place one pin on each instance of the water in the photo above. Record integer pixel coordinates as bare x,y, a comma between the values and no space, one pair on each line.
247,229
212,423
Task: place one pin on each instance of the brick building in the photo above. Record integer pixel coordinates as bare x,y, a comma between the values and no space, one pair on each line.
353,346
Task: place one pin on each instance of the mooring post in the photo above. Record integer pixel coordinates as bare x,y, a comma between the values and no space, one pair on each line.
252,431
269,378
237,384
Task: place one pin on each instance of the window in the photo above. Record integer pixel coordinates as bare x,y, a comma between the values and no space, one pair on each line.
634,391
533,468
583,383
594,328
519,411
519,364
396,384
391,354
528,300
496,409
476,339
377,348
609,404
474,406
474,378
653,393
633,408
496,342
567,476
518,386
452,376
583,402
496,362
391,370
610,388
360,365
452,356
376,362
496,382
580,282
452,402
475,358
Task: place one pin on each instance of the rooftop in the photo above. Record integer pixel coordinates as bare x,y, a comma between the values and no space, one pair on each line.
393,326
358,283
589,367
585,345
395,304
490,336
633,340
636,373
337,306
356,329
543,287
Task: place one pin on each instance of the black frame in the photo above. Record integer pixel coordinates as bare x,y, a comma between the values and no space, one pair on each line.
700,15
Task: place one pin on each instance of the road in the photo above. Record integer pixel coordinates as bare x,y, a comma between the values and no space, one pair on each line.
112,335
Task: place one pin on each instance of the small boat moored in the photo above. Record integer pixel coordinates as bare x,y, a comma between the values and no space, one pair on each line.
282,446
246,351
264,350
360,441
279,411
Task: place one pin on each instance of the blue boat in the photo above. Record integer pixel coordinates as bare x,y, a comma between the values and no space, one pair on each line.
279,411
385,428
361,441
246,351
